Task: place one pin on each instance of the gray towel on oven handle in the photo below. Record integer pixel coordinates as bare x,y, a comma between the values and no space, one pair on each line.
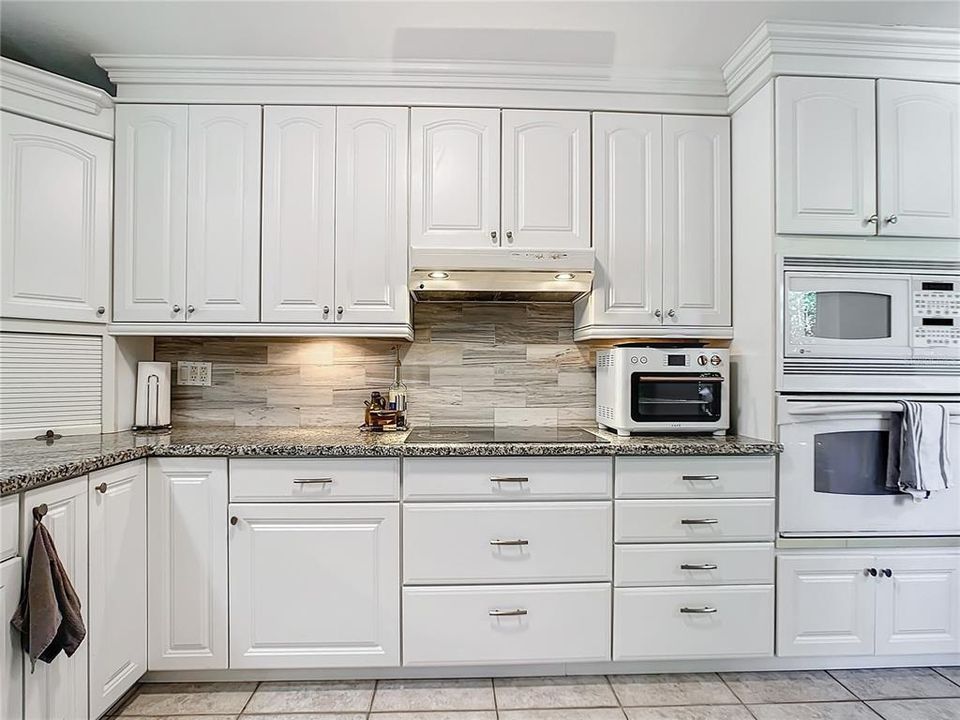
918,461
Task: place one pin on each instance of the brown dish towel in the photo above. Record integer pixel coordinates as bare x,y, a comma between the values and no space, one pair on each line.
48,616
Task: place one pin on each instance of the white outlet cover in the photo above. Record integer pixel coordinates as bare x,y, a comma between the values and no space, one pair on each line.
194,373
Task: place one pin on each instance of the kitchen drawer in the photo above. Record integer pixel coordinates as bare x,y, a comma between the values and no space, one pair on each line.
460,543
508,478
695,477
314,480
693,564
650,623
9,526
550,624
694,520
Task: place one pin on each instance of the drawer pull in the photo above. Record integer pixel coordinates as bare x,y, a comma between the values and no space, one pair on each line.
517,542
700,566
705,610
313,481
699,521
507,613
502,479
705,478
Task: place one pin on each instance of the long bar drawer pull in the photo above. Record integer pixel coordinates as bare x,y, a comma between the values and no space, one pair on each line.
707,478
313,481
509,479
518,541
705,610
699,566
507,613
699,521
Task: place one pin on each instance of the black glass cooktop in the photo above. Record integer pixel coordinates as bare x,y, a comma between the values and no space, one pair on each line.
501,435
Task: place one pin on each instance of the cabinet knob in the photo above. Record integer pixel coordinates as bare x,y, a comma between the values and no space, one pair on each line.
101,488
326,309
890,219
234,520
887,572
101,310
191,309
657,313
671,313
872,572
509,236
339,309
176,308
493,235
872,219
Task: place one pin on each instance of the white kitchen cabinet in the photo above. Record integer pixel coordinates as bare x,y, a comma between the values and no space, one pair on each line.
918,139
223,213
299,161
545,188
117,627
826,156
56,225
150,214
696,221
11,654
9,527
314,585
60,690
187,563
371,215
454,177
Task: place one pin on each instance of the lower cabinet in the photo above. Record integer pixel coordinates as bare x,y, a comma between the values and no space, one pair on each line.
314,585
11,655
855,603
58,691
117,627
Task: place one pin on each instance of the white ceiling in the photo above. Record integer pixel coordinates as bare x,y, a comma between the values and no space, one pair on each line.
60,35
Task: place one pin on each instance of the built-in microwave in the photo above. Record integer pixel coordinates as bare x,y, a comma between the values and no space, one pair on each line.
869,325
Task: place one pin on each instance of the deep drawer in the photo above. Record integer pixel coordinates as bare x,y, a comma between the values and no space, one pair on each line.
506,624
508,478
693,564
314,480
459,543
695,477
694,520
651,623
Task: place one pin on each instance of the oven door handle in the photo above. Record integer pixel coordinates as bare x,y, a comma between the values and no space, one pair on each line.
686,379
844,408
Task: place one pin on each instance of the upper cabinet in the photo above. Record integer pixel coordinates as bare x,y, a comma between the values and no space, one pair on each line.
867,157
56,222
546,179
918,132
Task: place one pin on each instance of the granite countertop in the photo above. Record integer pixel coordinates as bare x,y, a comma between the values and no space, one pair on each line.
26,464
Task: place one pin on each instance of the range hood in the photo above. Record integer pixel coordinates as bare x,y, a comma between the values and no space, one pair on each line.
500,275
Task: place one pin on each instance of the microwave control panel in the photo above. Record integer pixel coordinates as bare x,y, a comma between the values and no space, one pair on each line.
936,312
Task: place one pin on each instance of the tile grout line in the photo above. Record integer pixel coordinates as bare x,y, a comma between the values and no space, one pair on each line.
256,687
496,705
946,677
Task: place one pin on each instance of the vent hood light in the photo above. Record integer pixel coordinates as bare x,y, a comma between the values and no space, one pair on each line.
564,276
440,275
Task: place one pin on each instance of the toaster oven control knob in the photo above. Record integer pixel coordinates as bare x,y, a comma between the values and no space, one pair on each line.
634,359
643,359
702,360
715,360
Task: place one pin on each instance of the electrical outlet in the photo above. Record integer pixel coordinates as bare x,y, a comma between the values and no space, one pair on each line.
194,373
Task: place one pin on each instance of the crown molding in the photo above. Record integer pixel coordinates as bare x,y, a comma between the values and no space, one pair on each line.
840,49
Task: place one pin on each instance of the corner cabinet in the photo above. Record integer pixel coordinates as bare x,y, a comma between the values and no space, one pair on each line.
55,222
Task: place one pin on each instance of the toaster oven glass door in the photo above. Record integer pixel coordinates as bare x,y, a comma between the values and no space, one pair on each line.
676,397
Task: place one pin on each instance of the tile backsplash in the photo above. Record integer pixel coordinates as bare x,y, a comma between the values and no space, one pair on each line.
469,364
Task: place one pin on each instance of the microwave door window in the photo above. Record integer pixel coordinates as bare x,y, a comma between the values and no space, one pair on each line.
851,463
839,315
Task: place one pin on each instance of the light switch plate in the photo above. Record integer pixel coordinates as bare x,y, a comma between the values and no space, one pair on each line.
194,373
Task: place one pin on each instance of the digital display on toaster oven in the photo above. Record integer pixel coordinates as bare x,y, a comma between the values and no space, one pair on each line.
943,286
676,360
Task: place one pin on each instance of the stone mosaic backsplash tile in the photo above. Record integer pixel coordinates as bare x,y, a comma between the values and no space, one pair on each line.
469,364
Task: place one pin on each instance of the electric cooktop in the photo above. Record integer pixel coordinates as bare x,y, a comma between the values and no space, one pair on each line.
501,435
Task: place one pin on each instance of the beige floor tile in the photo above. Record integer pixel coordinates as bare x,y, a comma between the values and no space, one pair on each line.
952,673
305,716
786,687
459,694
690,712
672,689
174,717
586,691
814,711
563,714
434,715
891,683
303,697
161,699
939,709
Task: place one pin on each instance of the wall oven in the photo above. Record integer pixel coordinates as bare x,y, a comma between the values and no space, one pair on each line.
869,325
658,389
834,465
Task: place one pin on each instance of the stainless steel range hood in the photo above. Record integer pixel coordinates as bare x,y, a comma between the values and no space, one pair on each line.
500,275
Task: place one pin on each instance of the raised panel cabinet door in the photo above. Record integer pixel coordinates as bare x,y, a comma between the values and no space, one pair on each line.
371,234
59,691
187,563
918,138
118,582
314,585
696,221
628,218
11,654
150,214
299,162
545,189
223,213
56,225
825,605
929,581
825,156
454,177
